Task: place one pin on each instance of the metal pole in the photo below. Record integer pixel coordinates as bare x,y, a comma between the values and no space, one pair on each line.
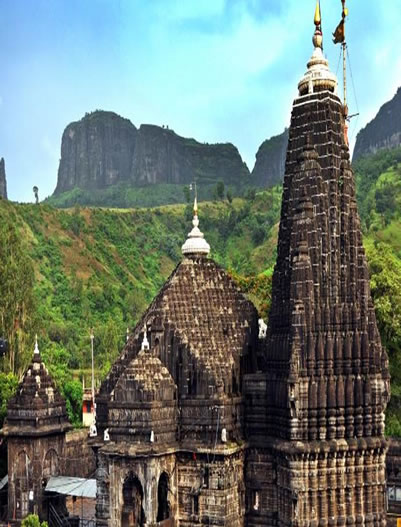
93,375
344,46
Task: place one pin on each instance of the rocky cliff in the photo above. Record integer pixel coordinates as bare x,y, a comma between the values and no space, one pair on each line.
384,131
104,149
96,152
3,181
270,161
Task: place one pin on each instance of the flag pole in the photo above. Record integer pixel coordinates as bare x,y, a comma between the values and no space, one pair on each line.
344,46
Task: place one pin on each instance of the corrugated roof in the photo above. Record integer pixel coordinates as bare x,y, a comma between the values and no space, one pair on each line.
85,488
4,481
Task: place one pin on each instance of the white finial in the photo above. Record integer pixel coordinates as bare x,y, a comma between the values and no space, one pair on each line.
127,337
262,328
318,76
145,343
224,435
195,243
36,350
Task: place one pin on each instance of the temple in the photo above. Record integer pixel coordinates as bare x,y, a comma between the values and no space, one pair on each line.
207,418
320,456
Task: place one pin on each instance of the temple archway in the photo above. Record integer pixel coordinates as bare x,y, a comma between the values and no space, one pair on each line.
50,465
132,513
23,484
163,508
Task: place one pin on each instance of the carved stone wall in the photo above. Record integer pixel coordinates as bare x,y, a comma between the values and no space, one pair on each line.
211,489
114,472
30,465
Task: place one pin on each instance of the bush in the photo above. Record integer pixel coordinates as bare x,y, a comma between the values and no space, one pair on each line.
32,520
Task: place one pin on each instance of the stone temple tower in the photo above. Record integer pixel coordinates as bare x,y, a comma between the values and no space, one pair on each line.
319,459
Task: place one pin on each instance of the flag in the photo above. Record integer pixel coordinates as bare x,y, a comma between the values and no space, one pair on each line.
339,33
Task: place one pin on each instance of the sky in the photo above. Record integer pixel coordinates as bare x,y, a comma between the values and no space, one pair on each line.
215,70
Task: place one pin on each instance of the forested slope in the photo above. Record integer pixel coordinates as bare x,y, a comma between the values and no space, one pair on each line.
84,268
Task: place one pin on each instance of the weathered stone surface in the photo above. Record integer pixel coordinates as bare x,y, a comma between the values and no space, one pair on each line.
3,180
393,474
96,152
327,380
104,149
384,131
270,161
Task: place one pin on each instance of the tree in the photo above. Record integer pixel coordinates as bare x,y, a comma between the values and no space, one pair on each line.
229,196
36,192
73,393
17,308
385,270
187,193
32,520
8,387
220,189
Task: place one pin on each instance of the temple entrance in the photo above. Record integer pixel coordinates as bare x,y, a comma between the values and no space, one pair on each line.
132,512
163,510
22,475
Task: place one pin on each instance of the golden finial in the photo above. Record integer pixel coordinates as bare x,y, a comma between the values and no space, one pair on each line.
318,18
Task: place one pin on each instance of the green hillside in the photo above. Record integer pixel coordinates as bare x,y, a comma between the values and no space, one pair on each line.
82,268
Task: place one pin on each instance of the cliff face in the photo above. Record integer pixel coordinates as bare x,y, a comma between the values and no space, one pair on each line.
384,131
3,181
270,161
96,152
104,149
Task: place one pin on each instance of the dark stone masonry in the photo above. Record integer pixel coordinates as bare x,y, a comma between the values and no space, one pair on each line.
205,419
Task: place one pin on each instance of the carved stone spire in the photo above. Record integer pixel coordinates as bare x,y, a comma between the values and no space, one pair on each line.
326,372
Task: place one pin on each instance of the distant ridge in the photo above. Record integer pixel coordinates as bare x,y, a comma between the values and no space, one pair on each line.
384,131
104,149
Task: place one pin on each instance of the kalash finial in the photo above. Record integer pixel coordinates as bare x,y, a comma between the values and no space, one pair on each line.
318,35
318,77
145,343
195,243
36,350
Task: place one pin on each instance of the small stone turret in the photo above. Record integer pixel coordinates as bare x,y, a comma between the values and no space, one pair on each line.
148,391
37,409
35,429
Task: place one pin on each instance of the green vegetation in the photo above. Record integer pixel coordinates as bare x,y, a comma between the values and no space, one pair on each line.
85,268
125,196
32,520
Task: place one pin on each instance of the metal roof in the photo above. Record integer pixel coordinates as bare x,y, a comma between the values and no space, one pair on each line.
4,481
85,488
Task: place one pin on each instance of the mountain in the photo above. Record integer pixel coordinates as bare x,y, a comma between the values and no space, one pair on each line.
3,180
103,150
384,131
270,161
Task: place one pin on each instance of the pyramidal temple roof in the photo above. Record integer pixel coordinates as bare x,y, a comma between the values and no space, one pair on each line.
201,307
38,407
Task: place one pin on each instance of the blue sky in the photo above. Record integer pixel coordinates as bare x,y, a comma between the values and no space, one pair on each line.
216,70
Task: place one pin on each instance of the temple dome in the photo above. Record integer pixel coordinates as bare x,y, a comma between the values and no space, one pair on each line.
195,243
318,76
